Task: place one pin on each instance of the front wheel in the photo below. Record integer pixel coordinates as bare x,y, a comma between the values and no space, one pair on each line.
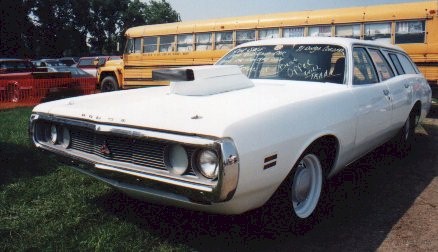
306,185
302,194
108,84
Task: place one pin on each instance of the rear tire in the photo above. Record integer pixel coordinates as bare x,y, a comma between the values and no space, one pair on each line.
405,136
109,84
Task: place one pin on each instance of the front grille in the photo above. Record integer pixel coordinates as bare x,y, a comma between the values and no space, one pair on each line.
129,150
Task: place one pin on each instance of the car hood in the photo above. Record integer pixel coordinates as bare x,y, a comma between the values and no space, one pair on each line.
158,108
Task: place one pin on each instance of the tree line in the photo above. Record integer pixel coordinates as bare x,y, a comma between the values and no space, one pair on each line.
56,28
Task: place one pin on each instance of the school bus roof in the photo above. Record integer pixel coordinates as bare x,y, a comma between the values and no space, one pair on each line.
400,11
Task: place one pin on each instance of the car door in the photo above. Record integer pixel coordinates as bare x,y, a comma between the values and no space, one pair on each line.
400,91
373,103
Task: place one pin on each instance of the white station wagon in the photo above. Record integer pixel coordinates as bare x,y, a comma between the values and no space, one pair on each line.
283,113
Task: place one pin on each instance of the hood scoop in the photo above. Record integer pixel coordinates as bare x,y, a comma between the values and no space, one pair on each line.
203,80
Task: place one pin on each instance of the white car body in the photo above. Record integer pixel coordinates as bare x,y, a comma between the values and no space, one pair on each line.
270,123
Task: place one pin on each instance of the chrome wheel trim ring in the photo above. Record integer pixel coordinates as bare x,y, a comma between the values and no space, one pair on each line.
307,185
407,129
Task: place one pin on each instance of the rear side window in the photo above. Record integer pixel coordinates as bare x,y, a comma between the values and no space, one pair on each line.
407,64
396,63
382,66
363,70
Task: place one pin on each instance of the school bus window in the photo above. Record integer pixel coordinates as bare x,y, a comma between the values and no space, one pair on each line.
185,43
166,43
244,36
348,31
378,31
268,33
224,40
137,45
320,31
204,41
293,32
409,32
149,44
129,48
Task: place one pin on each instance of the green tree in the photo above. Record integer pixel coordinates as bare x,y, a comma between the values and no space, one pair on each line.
161,12
60,27
15,29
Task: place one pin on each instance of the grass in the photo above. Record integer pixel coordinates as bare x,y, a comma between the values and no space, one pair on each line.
47,206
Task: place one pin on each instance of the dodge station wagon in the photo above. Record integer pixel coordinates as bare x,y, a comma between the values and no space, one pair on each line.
272,114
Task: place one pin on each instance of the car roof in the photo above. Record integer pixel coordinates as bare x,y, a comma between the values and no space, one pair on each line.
345,42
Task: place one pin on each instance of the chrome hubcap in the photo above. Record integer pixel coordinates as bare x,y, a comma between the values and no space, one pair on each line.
306,187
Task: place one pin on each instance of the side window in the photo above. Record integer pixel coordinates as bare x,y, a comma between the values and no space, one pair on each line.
383,69
320,31
409,32
185,43
244,36
129,48
378,32
166,43
149,44
268,33
396,63
406,64
293,32
224,40
363,70
137,45
203,41
348,31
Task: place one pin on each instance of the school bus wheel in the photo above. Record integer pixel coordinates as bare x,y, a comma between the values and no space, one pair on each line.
108,84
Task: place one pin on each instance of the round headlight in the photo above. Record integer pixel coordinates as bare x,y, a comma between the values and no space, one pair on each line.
53,134
208,163
65,137
177,159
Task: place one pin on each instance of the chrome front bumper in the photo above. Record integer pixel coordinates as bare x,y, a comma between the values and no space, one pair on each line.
151,185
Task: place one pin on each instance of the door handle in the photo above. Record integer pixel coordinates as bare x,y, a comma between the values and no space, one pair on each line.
386,92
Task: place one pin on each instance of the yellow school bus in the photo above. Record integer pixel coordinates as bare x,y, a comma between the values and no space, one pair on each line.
413,26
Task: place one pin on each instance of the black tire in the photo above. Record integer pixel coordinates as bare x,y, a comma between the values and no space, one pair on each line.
300,221
109,84
404,138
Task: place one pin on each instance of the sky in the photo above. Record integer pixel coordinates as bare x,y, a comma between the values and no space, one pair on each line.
208,9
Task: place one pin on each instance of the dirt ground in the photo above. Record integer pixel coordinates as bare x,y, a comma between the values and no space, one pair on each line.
381,202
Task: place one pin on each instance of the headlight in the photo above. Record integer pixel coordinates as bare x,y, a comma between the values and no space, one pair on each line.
177,160
53,134
208,163
65,137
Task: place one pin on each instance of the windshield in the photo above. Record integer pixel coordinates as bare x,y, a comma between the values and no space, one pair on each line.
315,62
